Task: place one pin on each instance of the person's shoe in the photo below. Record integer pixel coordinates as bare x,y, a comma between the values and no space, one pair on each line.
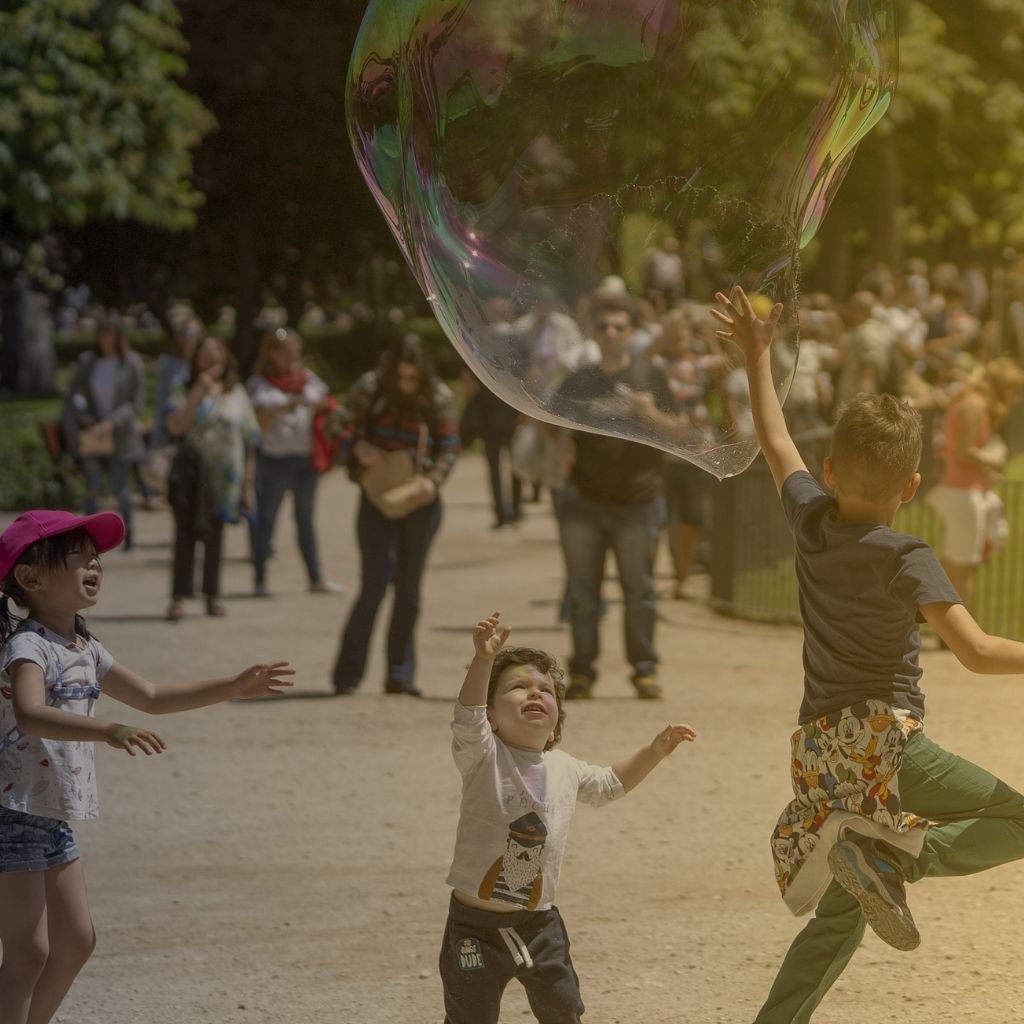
344,690
406,689
873,876
647,688
260,589
215,607
175,611
579,688
325,587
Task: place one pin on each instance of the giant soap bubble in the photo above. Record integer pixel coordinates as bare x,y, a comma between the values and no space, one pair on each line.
524,151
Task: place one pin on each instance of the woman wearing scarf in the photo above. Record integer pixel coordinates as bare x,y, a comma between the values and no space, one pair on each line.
286,397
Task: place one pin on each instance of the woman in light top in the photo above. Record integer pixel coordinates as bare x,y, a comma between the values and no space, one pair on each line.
286,396
212,479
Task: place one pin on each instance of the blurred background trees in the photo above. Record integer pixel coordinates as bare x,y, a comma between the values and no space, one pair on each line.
152,148
94,125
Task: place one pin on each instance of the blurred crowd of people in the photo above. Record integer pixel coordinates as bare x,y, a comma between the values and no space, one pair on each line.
223,449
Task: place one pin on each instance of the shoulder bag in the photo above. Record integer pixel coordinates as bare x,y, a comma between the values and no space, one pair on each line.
395,484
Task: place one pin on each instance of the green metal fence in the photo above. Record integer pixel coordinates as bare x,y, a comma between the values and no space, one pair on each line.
752,574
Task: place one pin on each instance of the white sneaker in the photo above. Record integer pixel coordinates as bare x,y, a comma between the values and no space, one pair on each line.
326,587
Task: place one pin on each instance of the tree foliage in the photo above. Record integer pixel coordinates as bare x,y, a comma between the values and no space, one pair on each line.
948,160
93,121
940,175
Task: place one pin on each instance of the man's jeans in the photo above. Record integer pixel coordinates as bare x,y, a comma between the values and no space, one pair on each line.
980,824
587,530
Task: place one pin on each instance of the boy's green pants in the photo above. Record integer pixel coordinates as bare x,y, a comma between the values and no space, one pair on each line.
980,824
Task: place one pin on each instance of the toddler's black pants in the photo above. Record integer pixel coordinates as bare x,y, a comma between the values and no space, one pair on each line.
484,950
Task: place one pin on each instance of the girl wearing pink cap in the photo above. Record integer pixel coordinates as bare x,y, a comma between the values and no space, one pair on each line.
51,674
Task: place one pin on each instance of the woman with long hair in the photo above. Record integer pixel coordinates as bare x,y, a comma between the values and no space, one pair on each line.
212,479
400,407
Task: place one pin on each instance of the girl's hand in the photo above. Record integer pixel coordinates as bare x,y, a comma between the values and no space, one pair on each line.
487,641
751,334
262,680
670,737
127,737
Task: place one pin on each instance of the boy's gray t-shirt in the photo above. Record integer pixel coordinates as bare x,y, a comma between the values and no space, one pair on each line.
861,588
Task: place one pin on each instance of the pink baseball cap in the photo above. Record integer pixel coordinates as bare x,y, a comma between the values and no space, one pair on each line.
105,528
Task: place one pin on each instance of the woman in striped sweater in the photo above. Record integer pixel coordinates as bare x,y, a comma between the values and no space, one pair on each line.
395,408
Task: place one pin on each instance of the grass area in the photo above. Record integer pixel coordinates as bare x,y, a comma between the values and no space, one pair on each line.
770,592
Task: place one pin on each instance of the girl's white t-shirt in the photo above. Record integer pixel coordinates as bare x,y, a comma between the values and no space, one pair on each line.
51,778
516,809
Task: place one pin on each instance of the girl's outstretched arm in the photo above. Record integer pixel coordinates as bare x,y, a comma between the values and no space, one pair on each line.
36,718
124,685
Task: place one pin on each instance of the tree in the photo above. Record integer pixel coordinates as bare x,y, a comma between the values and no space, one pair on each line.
942,172
93,125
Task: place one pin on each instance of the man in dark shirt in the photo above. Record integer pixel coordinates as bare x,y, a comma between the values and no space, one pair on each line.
613,499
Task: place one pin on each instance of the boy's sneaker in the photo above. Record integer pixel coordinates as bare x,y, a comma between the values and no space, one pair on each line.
869,872
579,687
647,687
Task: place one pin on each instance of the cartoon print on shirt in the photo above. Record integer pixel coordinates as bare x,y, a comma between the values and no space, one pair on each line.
517,876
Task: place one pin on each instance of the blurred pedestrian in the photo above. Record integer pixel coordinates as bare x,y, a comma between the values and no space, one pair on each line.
101,418
212,479
286,396
401,407
975,456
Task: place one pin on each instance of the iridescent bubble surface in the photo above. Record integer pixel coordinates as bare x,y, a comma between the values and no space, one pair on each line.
524,151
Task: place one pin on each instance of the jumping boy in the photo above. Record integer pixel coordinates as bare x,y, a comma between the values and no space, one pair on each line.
863,765
518,798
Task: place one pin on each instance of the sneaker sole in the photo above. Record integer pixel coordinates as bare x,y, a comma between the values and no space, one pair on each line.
890,927
650,692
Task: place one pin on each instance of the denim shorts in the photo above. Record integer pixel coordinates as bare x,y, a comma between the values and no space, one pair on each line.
31,843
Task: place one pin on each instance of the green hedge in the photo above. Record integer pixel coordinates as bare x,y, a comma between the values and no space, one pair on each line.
339,355
30,477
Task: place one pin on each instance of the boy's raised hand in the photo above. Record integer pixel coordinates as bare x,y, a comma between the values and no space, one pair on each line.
747,330
670,737
263,680
487,641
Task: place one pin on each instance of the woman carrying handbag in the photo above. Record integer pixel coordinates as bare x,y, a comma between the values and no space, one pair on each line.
404,442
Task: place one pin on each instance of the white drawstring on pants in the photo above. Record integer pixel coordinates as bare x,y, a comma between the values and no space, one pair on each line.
516,946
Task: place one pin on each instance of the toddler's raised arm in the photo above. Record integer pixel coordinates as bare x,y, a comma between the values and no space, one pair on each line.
487,641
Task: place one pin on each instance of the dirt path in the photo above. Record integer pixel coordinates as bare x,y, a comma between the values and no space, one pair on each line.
285,862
